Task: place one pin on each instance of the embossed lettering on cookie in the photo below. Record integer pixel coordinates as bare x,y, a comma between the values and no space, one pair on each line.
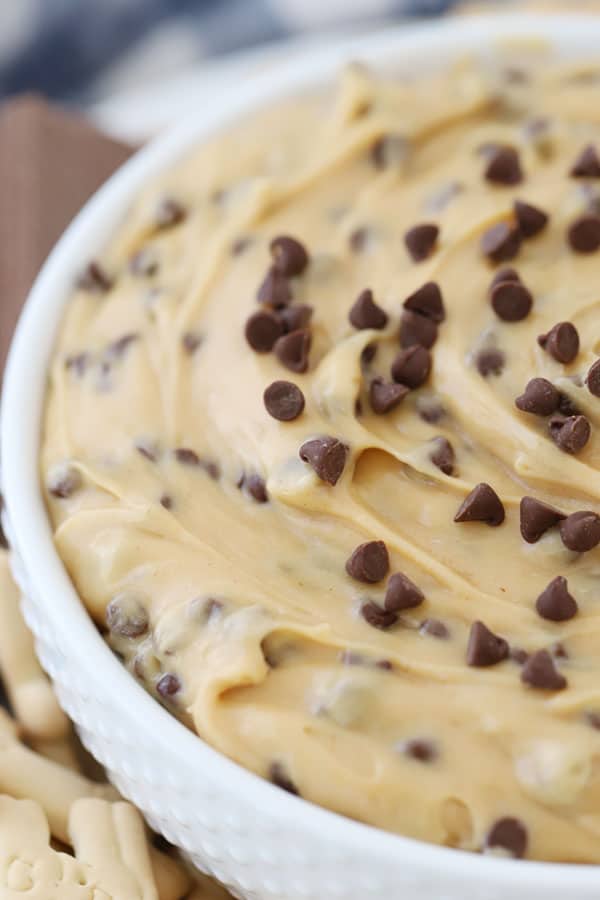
326,468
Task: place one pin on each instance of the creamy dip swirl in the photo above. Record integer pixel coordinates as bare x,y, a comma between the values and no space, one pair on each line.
336,581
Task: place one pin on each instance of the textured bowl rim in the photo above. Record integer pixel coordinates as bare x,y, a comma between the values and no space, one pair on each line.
23,399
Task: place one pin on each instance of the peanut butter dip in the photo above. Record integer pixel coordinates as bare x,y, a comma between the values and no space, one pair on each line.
320,451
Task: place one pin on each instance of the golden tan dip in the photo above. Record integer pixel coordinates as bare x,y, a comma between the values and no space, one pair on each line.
442,681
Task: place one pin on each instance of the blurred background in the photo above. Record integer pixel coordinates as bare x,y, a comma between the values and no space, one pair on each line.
132,63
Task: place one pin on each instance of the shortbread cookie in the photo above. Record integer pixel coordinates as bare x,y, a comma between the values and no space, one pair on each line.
28,688
111,855
111,837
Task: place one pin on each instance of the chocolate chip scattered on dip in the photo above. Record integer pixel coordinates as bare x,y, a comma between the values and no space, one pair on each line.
321,452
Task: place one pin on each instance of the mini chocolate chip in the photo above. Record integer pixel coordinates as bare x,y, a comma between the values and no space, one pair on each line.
78,363
240,245
430,410
389,150
358,240
292,350
510,835
327,456
540,397
402,593
421,750
482,505
540,672
485,648
530,219
504,166
262,330
537,518
190,342
365,313
559,651
126,616
144,263
434,628
511,301
369,562
385,664
420,240
412,366
506,273
442,455
289,256
376,616
275,290
592,379
584,234
279,777
186,457
169,213
490,361
427,301
367,355
555,603
561,342
166,501
283,400
501,242
566,406
580,531
148,449
63,480
256,487
211,469
294,317
417,329
587,164
168,685
571,434
117,349
94,279
386,395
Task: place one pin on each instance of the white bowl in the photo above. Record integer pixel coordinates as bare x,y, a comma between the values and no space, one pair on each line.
259,840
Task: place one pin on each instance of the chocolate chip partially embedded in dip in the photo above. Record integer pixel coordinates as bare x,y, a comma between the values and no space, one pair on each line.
587,164
501,242
283,400
561,342
536,518
530,219
369,562
555,602
421,240
317,527
365,313
580,531
482,505
386,395
539,397
504,166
